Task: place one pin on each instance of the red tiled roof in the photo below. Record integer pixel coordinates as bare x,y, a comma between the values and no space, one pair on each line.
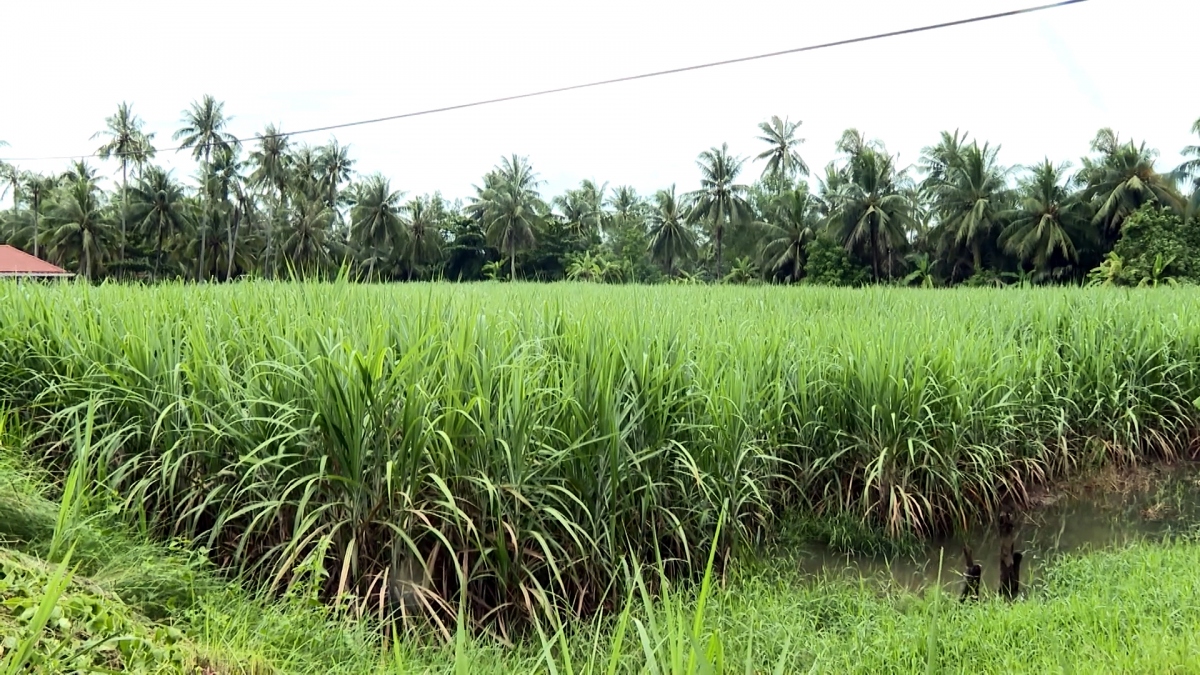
17,263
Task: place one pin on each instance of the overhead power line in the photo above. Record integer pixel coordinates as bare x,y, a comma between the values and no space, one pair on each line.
627,78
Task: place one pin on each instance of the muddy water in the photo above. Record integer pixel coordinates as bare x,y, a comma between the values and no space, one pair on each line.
1166,502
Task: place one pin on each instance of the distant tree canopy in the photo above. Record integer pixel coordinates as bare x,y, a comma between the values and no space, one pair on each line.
277,208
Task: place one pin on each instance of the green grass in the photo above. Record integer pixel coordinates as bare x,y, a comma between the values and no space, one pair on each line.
531,440
1135,609
111,598
1129,610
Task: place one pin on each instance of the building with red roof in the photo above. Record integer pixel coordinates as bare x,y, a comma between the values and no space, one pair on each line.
17,263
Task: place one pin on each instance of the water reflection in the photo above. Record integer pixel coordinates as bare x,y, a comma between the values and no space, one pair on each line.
1091,520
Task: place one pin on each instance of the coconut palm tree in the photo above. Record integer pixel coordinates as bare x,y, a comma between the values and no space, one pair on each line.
583,208
270,159
422,218
854,143
467,250
142,153
128,143
80,171
272,170
243,214
511,218
721,200
159,207
203,129
593,196
376,220
335,168
868,205
829,184
306,172
671,240
219,178
1049,220
628,209
476,209
7,170
80,229
970,201
937,161
784,162
1189,170
10,183
1122,180
1106,142
307,243
228,191
793,224
509,207
574,211
625,203
37,188
203,242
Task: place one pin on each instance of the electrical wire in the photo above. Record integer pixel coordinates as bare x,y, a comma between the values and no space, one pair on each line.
627,78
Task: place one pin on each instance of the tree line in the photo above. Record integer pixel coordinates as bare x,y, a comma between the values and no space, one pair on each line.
276,208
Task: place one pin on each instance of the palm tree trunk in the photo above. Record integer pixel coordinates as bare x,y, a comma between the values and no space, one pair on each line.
280,216
158,249
412,257
270,233
35,225
203,246
234,223
720,238
281,238
512,261
204,232
875,254
124,189
16,187
977,256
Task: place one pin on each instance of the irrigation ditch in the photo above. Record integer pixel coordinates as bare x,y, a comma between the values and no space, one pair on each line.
1104,509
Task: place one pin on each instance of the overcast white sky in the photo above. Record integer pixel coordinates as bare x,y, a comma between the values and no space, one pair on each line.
1038,85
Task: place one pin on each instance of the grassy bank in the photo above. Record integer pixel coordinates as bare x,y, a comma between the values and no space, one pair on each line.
531,439
1135,609
135,605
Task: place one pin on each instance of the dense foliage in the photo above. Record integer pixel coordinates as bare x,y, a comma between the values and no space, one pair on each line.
275,207
531,437
1135,609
